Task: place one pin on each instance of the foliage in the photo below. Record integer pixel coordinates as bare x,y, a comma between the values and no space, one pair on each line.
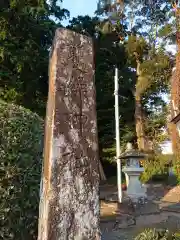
26,35
21,138
176,166
154,69
156,167
155,126
157,234
84,25
146,55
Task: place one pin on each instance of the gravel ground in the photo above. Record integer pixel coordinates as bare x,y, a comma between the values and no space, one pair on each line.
165,198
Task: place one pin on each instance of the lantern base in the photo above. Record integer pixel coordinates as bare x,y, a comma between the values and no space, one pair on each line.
135,190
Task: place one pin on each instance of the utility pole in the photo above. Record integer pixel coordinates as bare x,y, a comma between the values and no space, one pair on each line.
118,149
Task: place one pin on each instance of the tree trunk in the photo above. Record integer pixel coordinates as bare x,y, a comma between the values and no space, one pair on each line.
139,117
175,89
177,72
139,120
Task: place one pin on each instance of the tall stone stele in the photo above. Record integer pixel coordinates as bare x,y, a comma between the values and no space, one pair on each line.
69,199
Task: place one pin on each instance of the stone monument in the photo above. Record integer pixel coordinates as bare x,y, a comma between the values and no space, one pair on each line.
69,198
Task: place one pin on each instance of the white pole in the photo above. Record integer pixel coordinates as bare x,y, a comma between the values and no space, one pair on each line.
118,150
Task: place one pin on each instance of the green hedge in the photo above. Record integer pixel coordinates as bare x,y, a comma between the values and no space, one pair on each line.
156,168
21,144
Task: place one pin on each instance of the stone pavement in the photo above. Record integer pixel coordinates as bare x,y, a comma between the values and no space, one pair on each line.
160,211
115,236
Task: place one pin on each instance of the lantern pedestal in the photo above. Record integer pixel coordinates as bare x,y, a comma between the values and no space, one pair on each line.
135,190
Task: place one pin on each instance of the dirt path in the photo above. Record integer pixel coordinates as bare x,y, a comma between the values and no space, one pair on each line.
161,211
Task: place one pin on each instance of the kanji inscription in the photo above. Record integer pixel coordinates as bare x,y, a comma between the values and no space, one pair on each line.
69,202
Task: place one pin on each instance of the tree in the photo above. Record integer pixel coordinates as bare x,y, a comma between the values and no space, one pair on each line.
150,60
26,35
153,72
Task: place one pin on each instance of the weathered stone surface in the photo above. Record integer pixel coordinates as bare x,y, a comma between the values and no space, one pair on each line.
69,202
124,221
125,215
146,208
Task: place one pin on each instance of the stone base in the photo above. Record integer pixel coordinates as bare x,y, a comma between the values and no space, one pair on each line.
129,212
145,207
126,207
124,221
125,215
138,198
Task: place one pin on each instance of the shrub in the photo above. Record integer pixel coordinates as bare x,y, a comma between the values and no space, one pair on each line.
20,167
176,167
156,168
154,234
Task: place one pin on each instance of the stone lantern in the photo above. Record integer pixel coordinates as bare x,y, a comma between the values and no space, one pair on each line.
132,171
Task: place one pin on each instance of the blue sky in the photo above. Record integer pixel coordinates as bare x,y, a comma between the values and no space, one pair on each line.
80,7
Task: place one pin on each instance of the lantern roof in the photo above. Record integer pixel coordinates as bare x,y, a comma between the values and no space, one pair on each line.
131,153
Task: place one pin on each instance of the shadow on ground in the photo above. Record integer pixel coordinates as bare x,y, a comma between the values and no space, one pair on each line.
161,210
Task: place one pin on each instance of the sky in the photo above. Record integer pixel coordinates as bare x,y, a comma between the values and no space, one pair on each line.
83,7
79,7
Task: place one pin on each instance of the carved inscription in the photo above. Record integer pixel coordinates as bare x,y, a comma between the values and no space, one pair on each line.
76,86
77,153
75,54
74,89
81,160
74,119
